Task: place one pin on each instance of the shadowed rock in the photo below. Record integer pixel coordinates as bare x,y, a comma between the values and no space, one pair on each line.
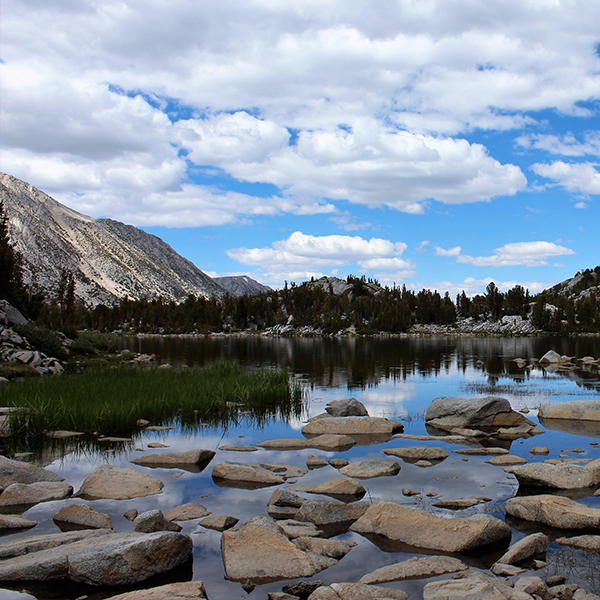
344,489
527,547
366,469
415,568
356,591
192,460
332,518
232,474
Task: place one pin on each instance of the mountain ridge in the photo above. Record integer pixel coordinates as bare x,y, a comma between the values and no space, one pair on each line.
108,259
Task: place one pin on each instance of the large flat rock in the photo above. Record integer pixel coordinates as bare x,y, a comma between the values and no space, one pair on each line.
559,476
577,410
330,442
555,511
192,460
14,471
111,559
23,494
343,488
246,475
118,483
366,469
189,590
356,591
412,455
415,568
352,426
420,529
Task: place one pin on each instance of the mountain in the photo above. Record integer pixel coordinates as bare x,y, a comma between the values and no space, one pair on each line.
242,285
586,283
108,259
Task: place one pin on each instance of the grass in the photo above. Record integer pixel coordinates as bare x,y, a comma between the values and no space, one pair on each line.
110,399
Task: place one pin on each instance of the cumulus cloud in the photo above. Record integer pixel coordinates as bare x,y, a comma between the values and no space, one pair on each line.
579,178
450,252
526,254
566,145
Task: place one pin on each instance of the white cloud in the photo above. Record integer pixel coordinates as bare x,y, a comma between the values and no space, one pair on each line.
527,254
579,178
450,252
566,145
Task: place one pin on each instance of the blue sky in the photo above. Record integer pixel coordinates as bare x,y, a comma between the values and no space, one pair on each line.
436,143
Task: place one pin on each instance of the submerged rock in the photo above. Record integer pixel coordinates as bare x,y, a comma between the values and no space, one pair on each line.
420,529
118,483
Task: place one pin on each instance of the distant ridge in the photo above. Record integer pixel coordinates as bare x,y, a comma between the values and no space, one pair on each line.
109,260
242,285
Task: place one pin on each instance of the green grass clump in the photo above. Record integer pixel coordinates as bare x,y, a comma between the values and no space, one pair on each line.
93,342
43,339
12,370
110,399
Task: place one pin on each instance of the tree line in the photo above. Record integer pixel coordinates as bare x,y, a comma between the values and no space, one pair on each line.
366,307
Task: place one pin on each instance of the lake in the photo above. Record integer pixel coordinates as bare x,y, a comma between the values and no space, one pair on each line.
395,377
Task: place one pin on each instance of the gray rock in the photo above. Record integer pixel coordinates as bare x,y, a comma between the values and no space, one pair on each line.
350,407
551,357
560,476
329,442
415,568
302,589
131,514
295,529
420,529
187,512
335,549
366,469
418,453
472,586
15,522
112,559
356,591
118,483
556,511
32,493
259,551
36,543
189,590
283,504
447,413
199,458
342,488
82,516
219,523
529,546
257,475
14,471
153,520
352,426
331,516
10,315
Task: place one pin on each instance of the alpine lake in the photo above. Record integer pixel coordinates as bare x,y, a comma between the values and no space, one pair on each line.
395,377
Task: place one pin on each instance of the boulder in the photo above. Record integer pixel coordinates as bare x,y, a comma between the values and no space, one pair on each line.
551,357
350,407
118,483
447,413
343,488
187,512
14,471
25,494
192,460
153,520
560,476
555,511
356,591
420,529
331,517
415,568
574,410
219,523
412,455
352,426
331,442
529,546
283,504
190,590
112,559
366,469
82,516
259,551
36,543
232,474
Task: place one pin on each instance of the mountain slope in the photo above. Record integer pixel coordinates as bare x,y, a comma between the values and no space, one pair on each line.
242,285
108,259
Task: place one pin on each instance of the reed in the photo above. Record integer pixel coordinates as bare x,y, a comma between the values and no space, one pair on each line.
110,399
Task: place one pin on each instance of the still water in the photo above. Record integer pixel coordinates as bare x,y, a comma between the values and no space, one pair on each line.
393,377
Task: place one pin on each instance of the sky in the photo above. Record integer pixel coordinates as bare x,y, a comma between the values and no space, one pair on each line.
440,144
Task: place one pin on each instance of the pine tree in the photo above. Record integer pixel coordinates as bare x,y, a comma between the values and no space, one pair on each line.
11,276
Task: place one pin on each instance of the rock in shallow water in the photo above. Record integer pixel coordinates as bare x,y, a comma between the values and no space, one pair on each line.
190,590
118,483
14,471
560,476
82,516
32,493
